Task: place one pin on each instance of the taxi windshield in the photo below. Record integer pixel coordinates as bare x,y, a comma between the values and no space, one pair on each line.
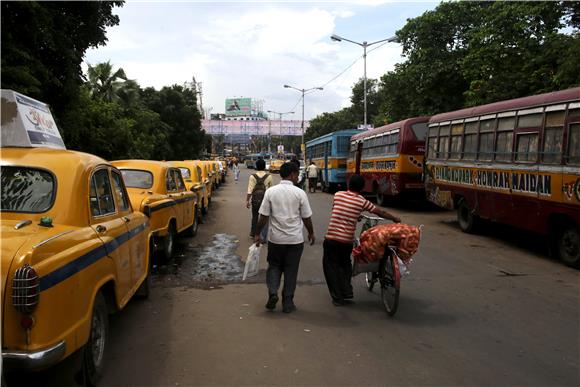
185,173
135,178
26,189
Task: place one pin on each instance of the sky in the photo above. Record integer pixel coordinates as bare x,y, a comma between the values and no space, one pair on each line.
252,49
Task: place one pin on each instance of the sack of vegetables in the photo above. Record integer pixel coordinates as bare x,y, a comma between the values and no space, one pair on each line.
374,240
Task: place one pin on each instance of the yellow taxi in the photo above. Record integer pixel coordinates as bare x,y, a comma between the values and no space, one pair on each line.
192,175
206,178
72,252
275,165
218,172
157,189
224,168
213,174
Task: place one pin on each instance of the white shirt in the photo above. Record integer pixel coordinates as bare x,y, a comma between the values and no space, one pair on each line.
312,170
286,205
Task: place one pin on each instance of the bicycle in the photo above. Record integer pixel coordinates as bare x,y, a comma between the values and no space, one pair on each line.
386,271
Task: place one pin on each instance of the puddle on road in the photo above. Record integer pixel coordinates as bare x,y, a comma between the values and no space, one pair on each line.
205,267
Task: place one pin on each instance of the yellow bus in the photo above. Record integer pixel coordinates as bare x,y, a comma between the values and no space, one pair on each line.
390,158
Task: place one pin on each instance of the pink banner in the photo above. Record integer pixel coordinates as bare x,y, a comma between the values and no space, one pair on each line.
256,128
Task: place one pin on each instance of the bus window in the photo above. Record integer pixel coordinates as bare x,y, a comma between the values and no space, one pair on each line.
486,130
552,147
527,147
432,142
530,121
420,130
392,143
443,152
470,140
574,144
505,134
456,137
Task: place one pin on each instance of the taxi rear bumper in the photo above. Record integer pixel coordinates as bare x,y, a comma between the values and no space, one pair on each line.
34,360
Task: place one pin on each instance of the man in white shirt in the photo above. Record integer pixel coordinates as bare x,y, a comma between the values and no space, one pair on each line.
312,173
285,208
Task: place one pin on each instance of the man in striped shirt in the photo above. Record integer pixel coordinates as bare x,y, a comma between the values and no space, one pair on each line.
346,210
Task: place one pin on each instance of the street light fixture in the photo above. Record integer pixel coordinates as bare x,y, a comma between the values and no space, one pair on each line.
302,147
280,115
364,45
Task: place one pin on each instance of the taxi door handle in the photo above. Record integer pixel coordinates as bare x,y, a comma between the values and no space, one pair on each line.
101,229
127,220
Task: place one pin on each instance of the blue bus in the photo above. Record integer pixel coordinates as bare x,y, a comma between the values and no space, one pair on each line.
329,153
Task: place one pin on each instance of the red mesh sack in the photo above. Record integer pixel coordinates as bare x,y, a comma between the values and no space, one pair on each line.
374,240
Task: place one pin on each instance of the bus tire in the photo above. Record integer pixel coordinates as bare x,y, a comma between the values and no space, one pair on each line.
568,246
467,221
381,199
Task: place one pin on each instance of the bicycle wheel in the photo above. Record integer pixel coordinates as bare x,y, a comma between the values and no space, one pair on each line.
390,284
370,279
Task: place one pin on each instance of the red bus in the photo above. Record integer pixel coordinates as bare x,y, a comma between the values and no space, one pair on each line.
515,162
390,158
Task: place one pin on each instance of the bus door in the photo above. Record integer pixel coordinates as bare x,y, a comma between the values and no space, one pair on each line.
527,183
358,156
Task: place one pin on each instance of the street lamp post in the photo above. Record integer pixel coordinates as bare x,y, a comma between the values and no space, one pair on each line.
280,117
303,91
364,45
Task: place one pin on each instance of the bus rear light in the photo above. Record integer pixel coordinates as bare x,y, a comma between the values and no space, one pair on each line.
25,289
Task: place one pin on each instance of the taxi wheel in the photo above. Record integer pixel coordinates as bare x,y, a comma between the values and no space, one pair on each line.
94,349
143,290
169,243
191,231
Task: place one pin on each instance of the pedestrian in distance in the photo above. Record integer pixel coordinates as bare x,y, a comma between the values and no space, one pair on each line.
285,208
236,169
312,173
258,183
347,208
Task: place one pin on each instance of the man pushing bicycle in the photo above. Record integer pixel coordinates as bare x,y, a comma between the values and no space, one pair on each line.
347,208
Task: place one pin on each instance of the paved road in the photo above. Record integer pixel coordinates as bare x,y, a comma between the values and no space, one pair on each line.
476,310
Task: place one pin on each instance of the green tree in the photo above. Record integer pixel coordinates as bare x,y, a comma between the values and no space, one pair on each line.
177,109
470,53
331,122
104,83
43,45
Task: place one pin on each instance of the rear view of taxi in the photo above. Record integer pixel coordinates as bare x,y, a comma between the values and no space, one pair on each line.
71,245
192,176
157,189
206,178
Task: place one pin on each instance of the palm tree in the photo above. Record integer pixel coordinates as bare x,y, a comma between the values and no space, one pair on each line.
104,83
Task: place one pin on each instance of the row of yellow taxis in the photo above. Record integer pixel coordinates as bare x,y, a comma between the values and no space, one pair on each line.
78,236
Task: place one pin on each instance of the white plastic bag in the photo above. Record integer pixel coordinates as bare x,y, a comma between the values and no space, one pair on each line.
404,268
252,261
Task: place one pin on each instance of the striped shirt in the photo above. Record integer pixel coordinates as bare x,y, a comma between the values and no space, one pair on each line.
346,209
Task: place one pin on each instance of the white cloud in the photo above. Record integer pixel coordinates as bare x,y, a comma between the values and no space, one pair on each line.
247,50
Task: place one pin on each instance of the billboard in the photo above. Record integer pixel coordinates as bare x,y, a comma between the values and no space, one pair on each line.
238,107
256,128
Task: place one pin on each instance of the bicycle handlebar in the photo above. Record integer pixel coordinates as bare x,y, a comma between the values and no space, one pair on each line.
371,217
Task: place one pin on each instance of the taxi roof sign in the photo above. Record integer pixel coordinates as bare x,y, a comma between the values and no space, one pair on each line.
27,122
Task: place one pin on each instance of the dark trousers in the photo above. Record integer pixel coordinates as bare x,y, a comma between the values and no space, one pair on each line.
312,182
337,269
255,216
283,259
